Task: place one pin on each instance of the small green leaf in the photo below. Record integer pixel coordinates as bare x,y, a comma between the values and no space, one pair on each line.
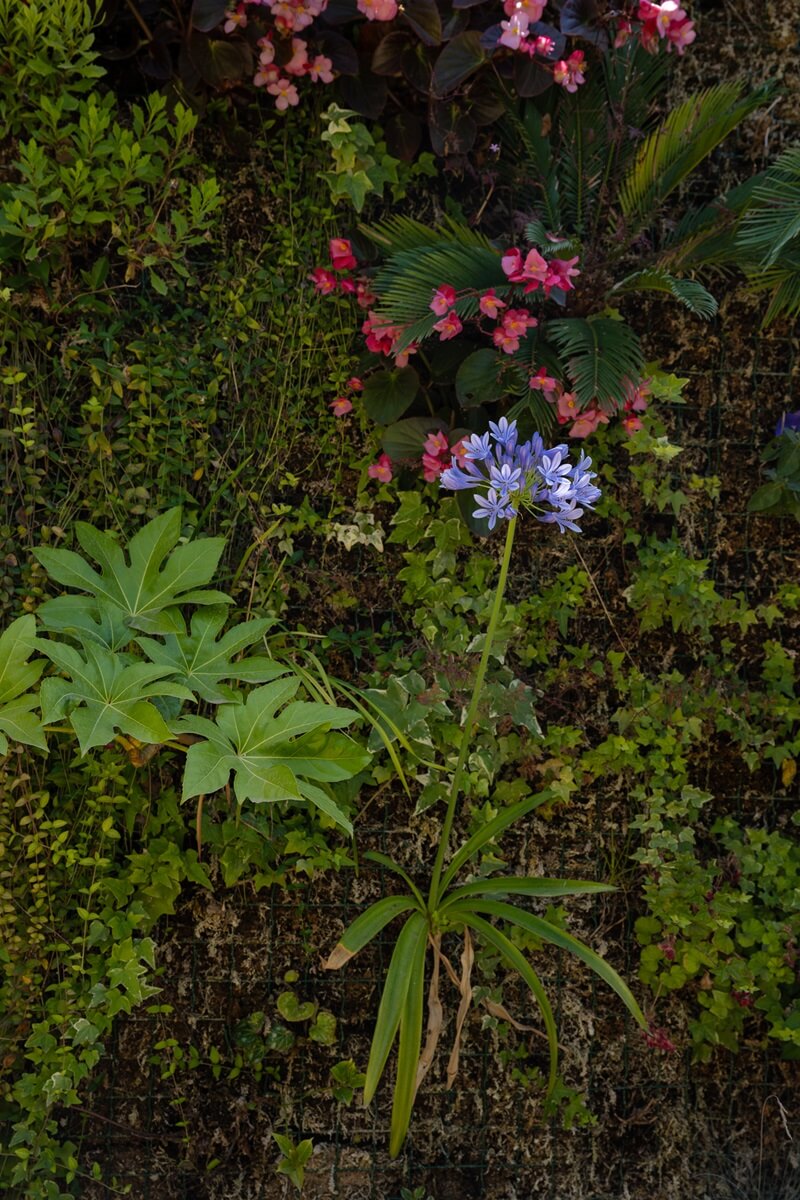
291,1009
323,1029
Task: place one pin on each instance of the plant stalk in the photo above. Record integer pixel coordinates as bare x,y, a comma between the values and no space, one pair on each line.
466,734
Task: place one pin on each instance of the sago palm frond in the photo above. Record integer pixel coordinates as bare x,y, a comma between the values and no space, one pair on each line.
673,150
602,356
772,218
527,144
398,233
783,281
408,280
582,154
690,293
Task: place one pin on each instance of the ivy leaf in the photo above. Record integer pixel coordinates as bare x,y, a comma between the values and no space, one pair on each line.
106,693
145,587
273,755
200,660
17,676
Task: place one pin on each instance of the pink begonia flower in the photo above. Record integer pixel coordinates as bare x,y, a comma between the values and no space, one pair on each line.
348,286
264,76
631,423
341,252
378,10
567,408
680,35
379,334
443,298
505,341
364,297
514,30
297,63
321,69
285,94
532,9
381,470
570,72
511,263
517,321
542,382
401,358
355,384
449,326
324,281
340,406
541,45
560,274
490,305
436,444
623,34
588,421
266,52
235,19
459,452
637,395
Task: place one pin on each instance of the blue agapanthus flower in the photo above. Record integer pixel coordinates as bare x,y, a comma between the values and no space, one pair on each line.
508,476
789,422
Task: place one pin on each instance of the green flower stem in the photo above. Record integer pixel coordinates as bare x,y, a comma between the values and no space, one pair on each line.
466,733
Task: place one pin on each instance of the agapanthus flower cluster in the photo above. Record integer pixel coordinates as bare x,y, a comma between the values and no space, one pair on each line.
665,21
789,422
508,476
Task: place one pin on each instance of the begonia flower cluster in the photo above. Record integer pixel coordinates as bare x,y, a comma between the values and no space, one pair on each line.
508,476
665,21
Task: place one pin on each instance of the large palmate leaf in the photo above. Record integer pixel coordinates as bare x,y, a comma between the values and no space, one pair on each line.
101,623
202,659
274,755
145,587
602,354
17,676
107,693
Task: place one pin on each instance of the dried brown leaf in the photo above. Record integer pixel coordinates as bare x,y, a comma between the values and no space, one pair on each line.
337,958
465,987
434,1018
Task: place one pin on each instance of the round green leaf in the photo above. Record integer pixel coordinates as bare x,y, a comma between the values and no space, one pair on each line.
405,439
478,379
291,1009
389,393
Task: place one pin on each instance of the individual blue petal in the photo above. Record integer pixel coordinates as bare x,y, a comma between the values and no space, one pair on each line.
458,480
478,447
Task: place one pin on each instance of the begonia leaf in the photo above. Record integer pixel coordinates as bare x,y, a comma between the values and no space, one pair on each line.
460,58
423,17
389,393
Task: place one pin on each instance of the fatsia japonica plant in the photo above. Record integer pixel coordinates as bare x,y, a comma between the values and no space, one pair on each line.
139,643
503,478
523,319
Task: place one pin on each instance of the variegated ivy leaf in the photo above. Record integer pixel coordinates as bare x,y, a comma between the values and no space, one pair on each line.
274,755
17,676
107,693
201,660
157,576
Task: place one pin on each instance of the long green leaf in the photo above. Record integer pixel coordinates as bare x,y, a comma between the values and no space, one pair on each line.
558,937
488,833
673,150
518,962
395,988
536,886
383,860
408,1052
367,926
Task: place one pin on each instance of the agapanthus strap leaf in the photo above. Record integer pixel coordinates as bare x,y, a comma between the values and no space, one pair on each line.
489,832
366,927
559,937
534,886
409,1050
412,939
383,860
